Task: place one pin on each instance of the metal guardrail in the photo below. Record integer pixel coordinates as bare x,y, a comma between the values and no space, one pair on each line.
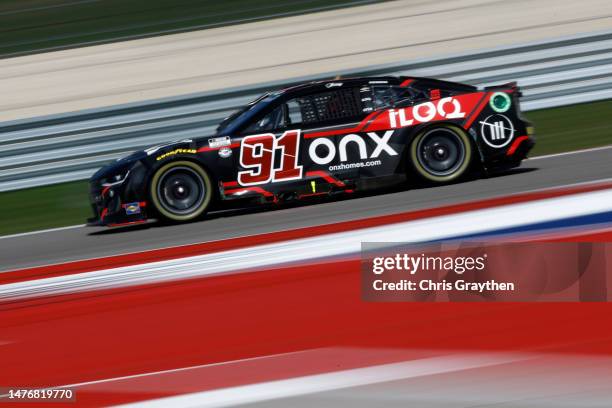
72,146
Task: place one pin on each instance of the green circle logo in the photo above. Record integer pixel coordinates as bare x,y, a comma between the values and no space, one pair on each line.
500,102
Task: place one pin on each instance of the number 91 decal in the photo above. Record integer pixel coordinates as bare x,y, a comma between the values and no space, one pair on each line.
258,153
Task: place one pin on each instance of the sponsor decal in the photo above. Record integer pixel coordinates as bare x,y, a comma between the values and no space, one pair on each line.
378,82
323,151
259,153
333,84
132,208
225,152
357,165
500,102
216,142
497,130
445,108
448,108
175,152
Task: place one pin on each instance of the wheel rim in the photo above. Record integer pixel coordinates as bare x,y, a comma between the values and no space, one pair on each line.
441,152
181,190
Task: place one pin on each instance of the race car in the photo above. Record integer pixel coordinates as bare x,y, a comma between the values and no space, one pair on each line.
318,139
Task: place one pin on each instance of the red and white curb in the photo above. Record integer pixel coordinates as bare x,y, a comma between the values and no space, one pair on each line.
303,250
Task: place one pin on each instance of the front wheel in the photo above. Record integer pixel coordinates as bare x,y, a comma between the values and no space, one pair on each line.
180,191
441,154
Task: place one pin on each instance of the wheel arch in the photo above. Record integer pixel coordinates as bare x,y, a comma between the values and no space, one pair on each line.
409,166
411,132
182,158
190,158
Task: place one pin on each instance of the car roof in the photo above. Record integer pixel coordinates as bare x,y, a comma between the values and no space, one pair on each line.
329,83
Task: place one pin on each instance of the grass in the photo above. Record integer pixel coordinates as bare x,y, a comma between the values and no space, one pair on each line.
557,130
572,127
44,207
28,26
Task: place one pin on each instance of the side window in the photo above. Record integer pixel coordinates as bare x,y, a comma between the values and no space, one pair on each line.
327,107
336,105
302,111
273,120
330,107
294,108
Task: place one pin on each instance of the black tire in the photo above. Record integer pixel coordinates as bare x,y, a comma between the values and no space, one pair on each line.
441,154
180,191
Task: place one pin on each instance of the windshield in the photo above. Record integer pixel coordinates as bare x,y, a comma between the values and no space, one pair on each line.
246,112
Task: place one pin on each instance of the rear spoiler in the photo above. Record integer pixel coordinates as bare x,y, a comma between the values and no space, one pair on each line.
512,85
432,83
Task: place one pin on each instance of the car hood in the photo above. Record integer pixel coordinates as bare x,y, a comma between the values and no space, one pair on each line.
123,164
119,166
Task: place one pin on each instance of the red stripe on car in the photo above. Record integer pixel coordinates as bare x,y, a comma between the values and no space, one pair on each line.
253,189
477,111
357,128
516,144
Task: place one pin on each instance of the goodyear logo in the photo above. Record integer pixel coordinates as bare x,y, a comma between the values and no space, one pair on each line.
176,151
132,208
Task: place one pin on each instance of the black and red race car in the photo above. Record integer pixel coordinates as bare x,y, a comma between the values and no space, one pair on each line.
318,139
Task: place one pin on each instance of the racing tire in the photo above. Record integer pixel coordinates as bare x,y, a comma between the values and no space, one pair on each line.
441,154
180,191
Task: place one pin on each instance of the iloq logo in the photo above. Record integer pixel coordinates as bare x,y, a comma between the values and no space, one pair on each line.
497,131
445,108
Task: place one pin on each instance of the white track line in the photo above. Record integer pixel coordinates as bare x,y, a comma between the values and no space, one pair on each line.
170,371
23,234
272,390
177,370
592,149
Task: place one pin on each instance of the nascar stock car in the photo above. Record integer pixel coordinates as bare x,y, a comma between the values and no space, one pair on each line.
319,139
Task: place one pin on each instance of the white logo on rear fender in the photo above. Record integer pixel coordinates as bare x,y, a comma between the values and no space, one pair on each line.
497,130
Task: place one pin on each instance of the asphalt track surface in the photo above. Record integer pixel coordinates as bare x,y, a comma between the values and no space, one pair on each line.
87,242
328,42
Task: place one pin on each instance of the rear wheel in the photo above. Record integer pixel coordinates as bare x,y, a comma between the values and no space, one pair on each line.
181,191
441,154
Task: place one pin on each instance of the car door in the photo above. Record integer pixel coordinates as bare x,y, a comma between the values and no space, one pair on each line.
268,152
335,144
311,135
288,143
